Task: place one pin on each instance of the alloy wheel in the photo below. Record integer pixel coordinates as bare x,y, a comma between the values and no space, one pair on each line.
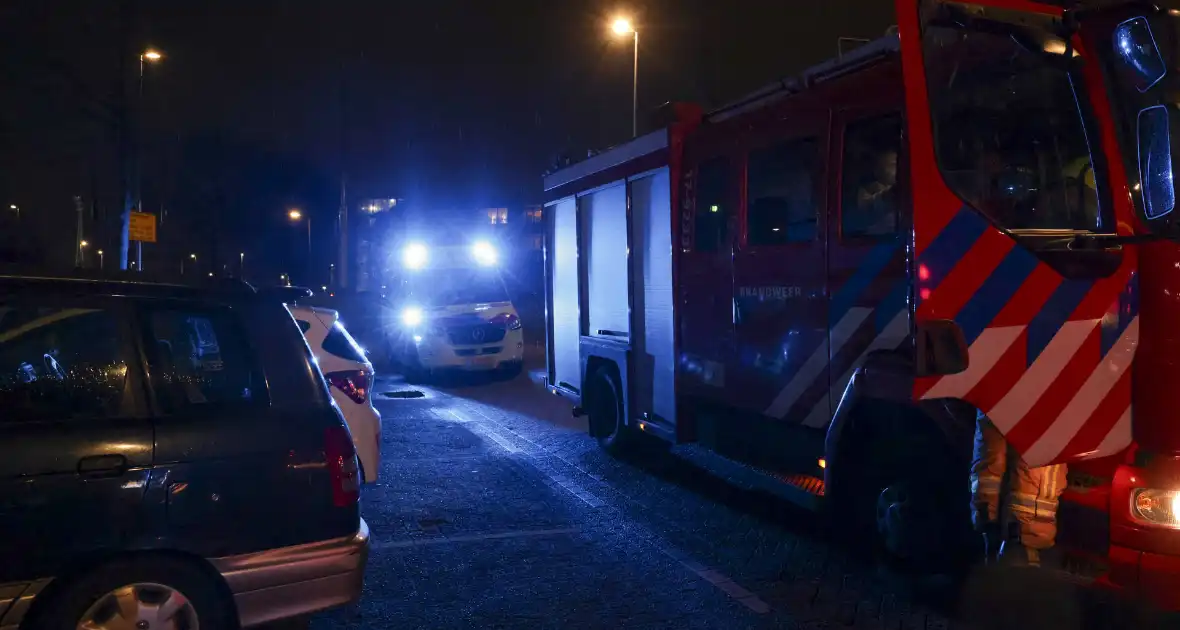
141,606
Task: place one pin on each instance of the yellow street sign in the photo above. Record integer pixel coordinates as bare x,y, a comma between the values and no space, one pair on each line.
143,227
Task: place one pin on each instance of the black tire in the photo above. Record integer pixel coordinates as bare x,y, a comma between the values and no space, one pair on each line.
605,408
213,607
869,476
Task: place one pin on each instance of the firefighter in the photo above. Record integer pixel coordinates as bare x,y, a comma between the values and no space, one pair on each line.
876,201
1001,479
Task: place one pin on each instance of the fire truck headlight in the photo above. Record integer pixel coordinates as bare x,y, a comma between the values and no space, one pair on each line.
1156,507
411,316
414,256
484,253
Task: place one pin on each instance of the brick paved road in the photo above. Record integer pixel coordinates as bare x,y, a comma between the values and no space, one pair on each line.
496,510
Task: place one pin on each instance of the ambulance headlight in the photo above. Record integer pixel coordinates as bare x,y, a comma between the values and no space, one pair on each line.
414,256
1156,507
412,316
484,253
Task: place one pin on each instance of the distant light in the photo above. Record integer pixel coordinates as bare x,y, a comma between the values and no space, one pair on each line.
484,253
414,256
294,214
83,243
714,208
152,55
622,26
210,274
417,338
192,256
411,316
823,463
100,252
12,206
324,288
774,229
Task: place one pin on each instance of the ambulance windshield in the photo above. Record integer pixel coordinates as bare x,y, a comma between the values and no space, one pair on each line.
1010,133
457,286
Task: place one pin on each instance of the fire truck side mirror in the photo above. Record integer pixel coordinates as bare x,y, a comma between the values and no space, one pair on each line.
941,348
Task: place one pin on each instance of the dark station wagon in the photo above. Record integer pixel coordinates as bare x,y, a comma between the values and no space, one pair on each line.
170,457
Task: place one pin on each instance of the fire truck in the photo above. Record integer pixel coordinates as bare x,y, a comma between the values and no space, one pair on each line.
831,278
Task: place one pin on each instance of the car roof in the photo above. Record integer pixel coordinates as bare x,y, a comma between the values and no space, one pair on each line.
131,284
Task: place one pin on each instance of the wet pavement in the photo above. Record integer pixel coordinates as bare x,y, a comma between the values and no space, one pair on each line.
495,509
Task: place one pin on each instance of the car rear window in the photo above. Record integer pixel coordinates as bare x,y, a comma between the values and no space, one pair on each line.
341,344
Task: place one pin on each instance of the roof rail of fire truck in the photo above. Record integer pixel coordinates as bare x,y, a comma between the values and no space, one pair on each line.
852,61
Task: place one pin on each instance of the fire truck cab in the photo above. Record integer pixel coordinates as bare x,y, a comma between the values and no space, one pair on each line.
832,278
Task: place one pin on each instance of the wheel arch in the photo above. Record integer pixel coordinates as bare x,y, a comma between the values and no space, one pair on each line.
878,401
88,563
598,354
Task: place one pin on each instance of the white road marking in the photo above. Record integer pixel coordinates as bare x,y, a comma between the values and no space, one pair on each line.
492,430
720,580
489,427
452,540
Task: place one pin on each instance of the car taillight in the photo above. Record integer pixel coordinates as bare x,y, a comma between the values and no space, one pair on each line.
343,467
507,320
354,383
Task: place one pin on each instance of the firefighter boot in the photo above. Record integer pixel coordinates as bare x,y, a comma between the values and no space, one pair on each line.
1014,553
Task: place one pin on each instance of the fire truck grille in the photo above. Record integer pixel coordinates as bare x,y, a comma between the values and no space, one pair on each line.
475,335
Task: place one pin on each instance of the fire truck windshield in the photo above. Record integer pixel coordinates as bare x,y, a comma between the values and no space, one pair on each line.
1010,136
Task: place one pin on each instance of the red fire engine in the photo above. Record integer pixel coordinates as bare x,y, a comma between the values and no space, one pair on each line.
832,277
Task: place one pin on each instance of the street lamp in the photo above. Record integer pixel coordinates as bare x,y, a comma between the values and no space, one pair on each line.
192,257
15,208
100,259
242,264
622,26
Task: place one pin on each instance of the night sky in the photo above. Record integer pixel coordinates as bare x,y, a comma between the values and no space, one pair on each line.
451,105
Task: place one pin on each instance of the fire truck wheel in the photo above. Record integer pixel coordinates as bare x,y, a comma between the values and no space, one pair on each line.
904,510
605,408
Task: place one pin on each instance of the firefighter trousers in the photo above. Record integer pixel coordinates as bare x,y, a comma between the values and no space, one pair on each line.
1000,476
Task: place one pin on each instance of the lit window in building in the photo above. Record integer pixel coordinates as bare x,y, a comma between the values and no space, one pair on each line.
503,215
534,216
492,214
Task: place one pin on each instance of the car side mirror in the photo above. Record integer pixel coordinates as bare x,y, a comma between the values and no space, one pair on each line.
941,348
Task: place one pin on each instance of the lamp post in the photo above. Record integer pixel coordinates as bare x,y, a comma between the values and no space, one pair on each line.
622,26
100,259
242,265
82,245
148,56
